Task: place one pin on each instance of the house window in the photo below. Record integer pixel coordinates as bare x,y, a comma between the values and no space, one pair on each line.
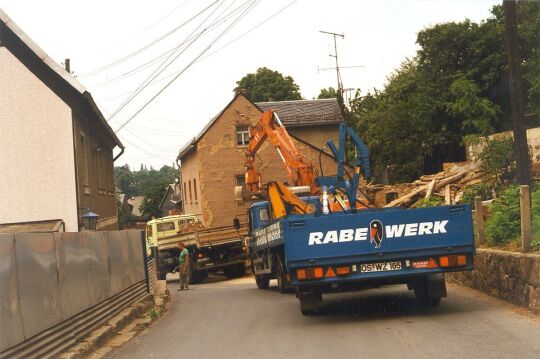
242,135
190,198
195,189
84,153
240,180
184,195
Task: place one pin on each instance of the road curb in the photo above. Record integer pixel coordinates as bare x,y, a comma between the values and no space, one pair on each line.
126,319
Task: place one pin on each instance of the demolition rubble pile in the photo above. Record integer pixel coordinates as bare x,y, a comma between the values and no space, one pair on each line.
447,185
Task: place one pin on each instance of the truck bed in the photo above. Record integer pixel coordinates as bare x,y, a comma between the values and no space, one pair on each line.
408,237
205,237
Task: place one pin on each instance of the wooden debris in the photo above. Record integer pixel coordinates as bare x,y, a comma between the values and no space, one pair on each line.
430,189
450,186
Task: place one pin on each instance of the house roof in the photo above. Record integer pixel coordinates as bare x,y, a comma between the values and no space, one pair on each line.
298,113
51,73
175,199
303,113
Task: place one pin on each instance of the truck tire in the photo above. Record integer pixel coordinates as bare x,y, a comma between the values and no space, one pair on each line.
162,275
262,281
429,291
281,276
235,271
309,302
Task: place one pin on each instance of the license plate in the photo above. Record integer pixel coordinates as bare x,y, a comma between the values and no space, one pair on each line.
380,267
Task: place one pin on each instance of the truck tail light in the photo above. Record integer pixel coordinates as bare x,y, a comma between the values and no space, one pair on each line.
200,255
453,261
309,273
343,270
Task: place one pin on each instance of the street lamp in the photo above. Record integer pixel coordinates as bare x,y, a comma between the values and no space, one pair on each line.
89,220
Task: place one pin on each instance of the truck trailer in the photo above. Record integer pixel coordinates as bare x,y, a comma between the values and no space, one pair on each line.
211,249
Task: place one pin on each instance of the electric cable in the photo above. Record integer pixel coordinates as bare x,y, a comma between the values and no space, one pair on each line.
190,64
230,42
152,43
145,65
161,67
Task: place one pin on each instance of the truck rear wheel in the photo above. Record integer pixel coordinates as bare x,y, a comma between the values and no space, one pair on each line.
262,281
281,276
235,271
309,302
162,275
429,291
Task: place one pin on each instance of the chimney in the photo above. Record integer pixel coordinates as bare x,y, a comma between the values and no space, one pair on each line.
239,90
67,66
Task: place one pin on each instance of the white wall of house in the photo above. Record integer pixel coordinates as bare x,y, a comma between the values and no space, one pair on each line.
37,171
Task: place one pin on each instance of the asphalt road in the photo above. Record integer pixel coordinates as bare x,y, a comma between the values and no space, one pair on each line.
234,319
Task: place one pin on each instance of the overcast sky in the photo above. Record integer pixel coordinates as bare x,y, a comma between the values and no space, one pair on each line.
113,50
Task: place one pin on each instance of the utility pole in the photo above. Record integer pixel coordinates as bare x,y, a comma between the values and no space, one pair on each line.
517,104
338,74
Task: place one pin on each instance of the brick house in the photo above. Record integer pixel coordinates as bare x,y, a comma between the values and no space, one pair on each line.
212,163
57,148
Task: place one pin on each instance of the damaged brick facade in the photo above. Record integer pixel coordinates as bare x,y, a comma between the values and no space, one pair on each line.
213,164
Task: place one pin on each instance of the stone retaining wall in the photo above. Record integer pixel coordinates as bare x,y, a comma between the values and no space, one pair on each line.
514,277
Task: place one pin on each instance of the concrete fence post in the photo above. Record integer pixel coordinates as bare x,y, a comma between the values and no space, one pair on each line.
525,209
479,218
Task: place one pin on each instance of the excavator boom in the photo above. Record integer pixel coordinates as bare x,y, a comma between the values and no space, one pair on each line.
299,168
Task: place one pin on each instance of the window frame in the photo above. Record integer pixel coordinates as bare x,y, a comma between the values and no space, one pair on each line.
242,131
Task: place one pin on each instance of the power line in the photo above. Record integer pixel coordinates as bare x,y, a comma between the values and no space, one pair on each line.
250,30
157,21
162,68
156,59
156,73
227,44
130,55
189,65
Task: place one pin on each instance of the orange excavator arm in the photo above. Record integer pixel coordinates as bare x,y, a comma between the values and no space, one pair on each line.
299,168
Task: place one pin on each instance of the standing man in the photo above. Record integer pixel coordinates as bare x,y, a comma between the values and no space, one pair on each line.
183,266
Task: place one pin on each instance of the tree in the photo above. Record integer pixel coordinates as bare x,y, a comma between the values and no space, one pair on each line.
151,184
266,85
455,86
152,199
329,92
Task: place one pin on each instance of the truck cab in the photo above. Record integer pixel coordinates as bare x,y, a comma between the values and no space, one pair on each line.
161,228
266,249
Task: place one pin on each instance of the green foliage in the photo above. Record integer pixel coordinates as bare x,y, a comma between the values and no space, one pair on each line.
431,202
327,93
497,159
455,86
152,199
124,216
154,313
503,224
266,84
151,184
484,190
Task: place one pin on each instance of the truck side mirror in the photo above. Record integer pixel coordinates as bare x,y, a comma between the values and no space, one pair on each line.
236,223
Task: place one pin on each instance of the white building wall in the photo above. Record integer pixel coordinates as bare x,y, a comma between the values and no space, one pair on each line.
37,171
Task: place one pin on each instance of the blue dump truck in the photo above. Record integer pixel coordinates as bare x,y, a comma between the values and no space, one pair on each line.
315,247
317,253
